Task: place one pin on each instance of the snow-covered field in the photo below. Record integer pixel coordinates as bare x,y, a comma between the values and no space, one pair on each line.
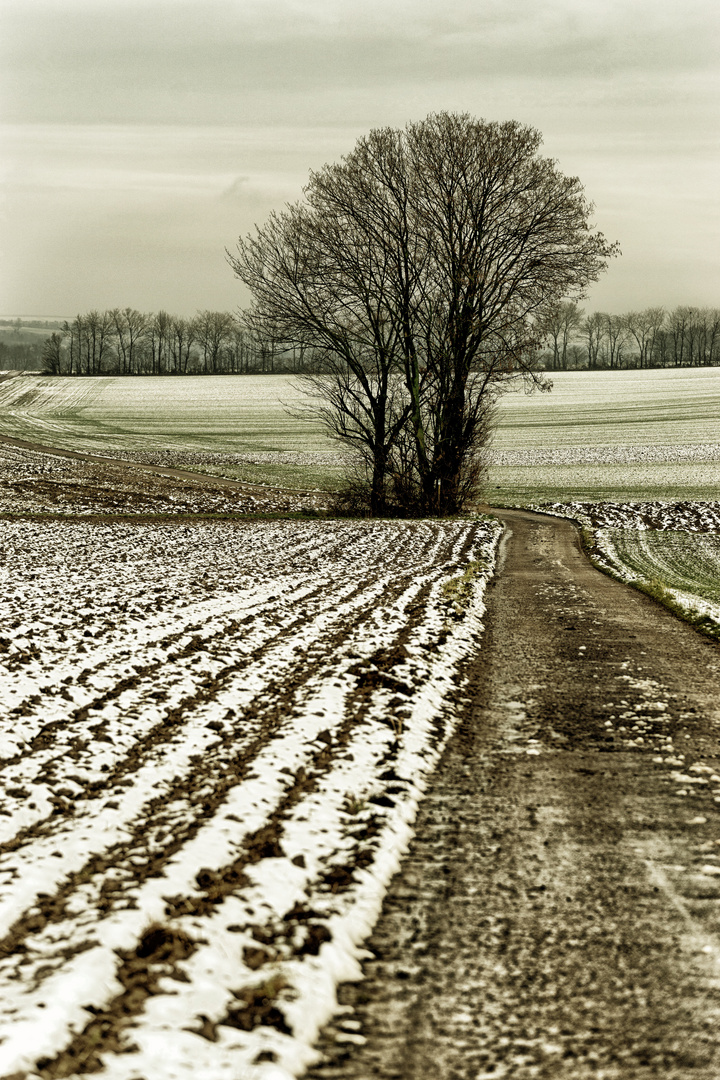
672,547
605,434
677,406
214,739
224,413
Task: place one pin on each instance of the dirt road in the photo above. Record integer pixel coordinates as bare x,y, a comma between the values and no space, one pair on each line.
558,914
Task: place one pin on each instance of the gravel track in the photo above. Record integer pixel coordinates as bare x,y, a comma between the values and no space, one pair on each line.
558,913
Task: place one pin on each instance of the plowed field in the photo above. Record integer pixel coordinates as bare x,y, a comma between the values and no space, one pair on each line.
214,738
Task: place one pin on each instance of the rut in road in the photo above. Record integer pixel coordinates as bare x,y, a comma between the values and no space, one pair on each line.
558,913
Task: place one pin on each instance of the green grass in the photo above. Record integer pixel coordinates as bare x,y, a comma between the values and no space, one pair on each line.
678,569
458,590
689,562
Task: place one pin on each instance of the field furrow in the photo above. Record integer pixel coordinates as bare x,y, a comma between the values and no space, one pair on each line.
196,830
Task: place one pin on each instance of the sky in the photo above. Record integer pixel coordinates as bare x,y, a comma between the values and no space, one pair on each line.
140,138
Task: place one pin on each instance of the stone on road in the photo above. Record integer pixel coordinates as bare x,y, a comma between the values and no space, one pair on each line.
558,913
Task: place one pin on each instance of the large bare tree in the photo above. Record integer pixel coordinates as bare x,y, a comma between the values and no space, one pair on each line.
415,272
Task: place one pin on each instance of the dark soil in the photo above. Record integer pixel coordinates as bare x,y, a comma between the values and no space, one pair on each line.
50,481
109,878
557,916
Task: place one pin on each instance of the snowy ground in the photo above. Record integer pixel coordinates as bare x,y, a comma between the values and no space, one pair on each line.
689,516
215,737
703,453
675,546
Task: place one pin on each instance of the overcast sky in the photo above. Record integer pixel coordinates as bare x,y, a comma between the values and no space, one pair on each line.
141,137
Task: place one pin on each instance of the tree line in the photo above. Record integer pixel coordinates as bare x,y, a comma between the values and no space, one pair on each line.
223,343
652,338
21,356
129,342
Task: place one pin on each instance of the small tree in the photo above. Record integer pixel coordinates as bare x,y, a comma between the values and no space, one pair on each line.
414,274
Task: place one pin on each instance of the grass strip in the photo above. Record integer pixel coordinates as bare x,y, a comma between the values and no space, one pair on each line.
654,588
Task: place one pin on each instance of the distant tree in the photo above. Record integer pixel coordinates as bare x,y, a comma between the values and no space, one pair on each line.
678,327
615,340
131,333
593,331
558,324
214,329
712,336
643,327
70,334
91,340
702,331
158,338
181,338
576,356
101,341
52,354
237,348
413,275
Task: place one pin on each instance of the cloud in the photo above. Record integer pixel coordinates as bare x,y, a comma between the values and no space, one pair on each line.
213,61
237,189
145,134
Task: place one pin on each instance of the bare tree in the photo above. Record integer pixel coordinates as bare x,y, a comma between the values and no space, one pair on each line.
712,336
70,331
422,262
181,337
131,332
643,327
593,330
701,336
238,346
52,354
558,324
615,339
678,328
158,337
90,342
213,331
